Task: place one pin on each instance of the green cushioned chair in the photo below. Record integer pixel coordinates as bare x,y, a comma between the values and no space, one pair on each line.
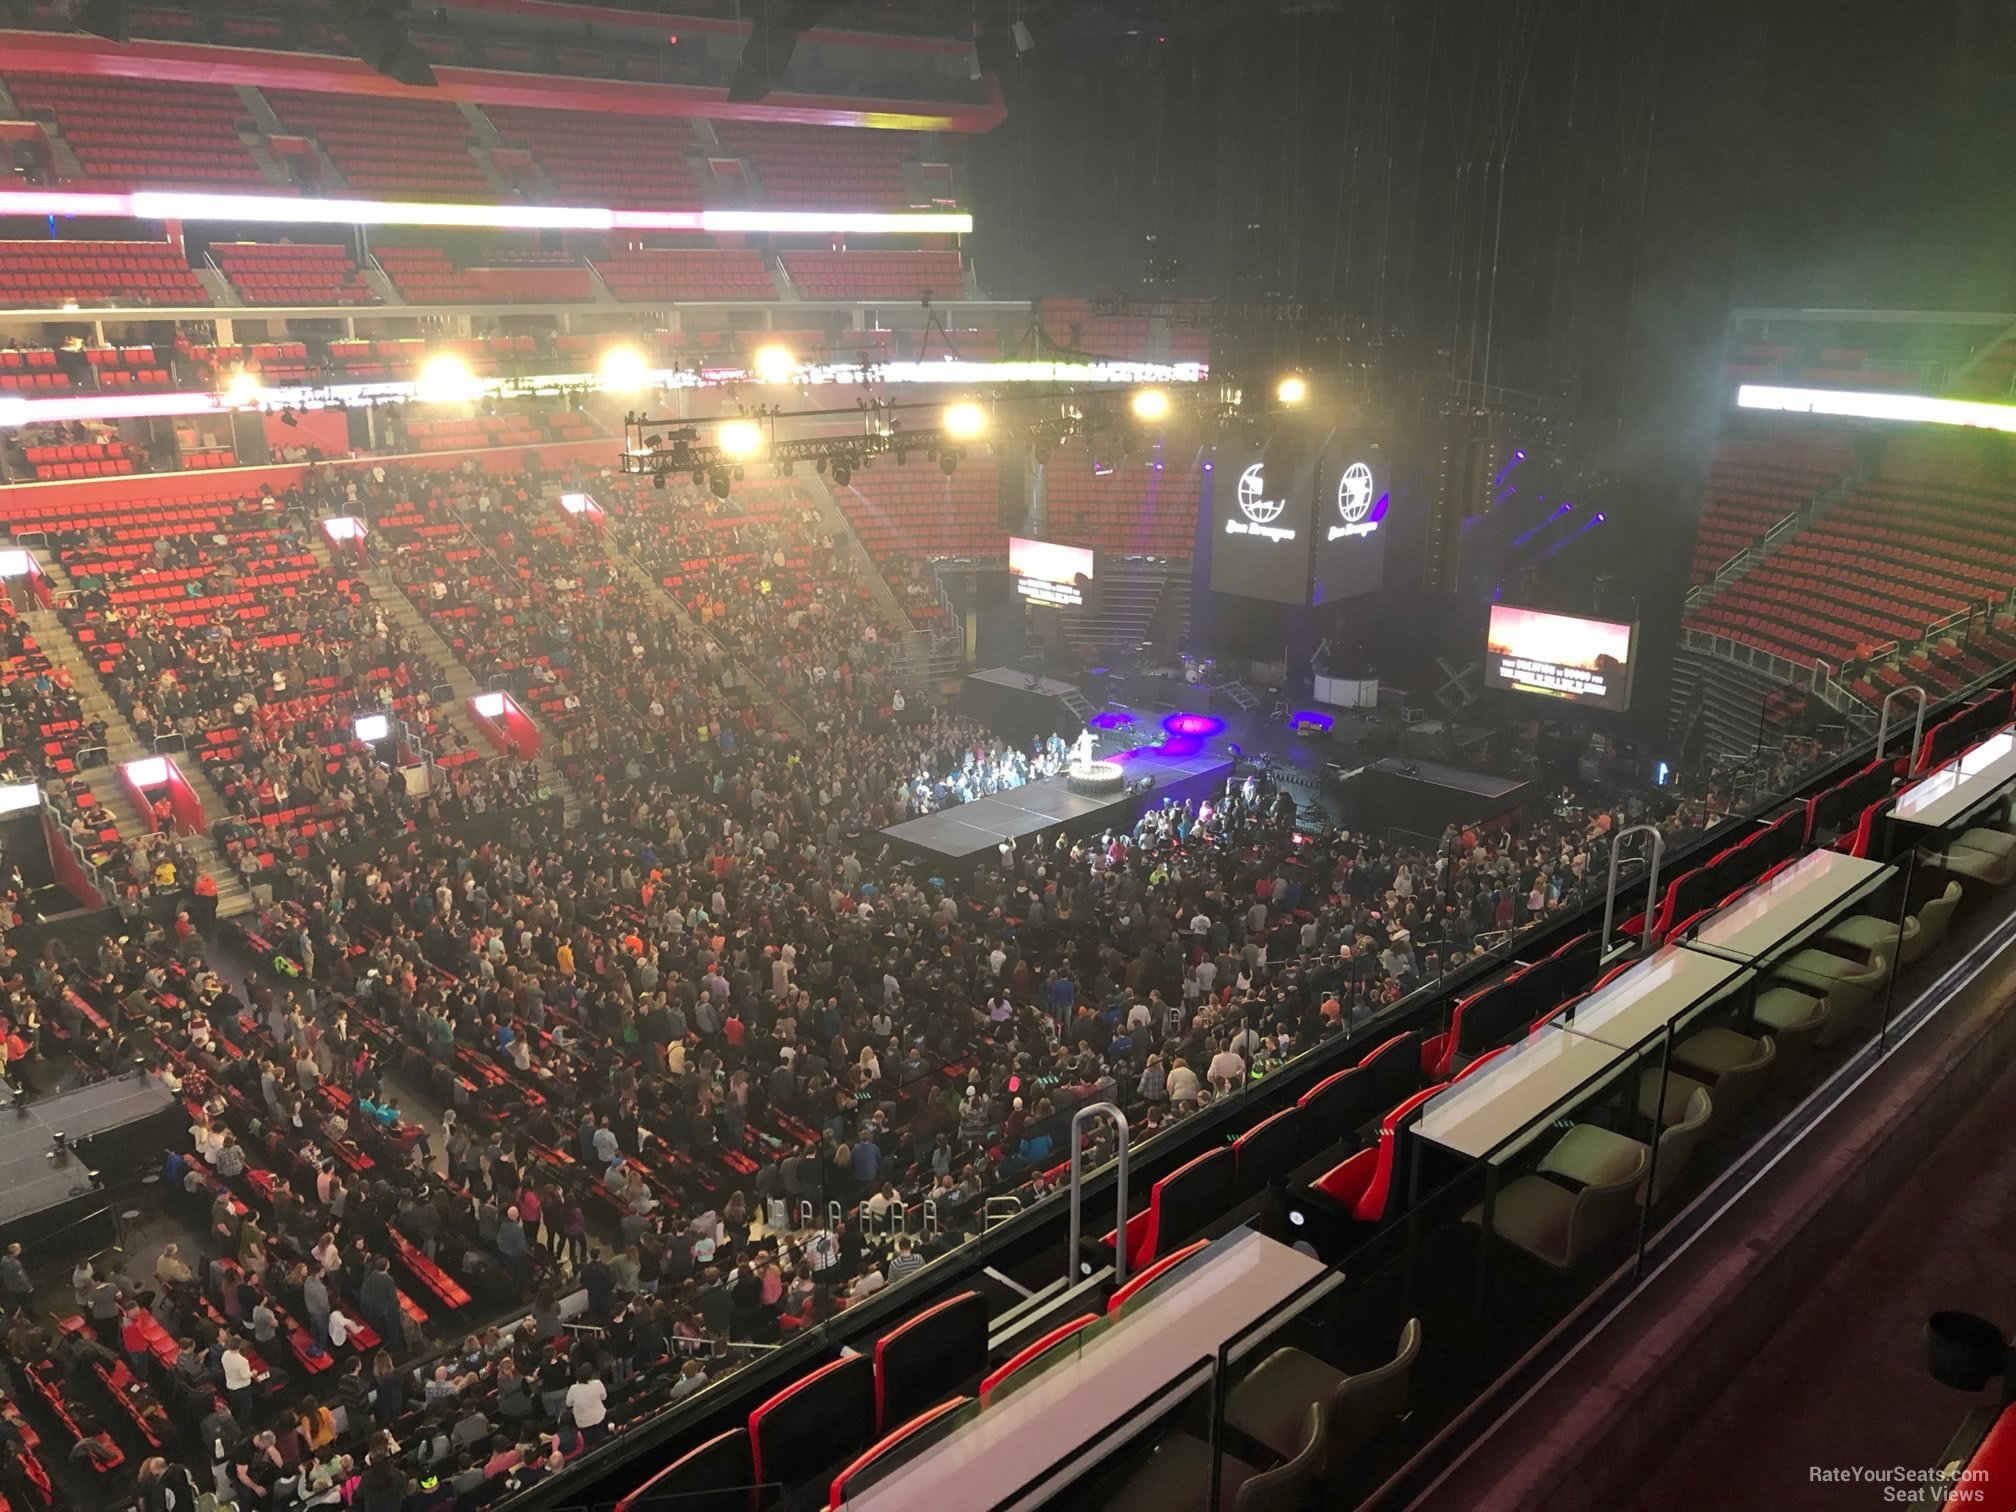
1850,989
1177,1477
1271,1404
1563,1223
1979,863
1735,1065
1935,917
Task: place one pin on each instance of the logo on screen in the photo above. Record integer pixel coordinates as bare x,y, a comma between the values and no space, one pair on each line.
1354,503
1253,500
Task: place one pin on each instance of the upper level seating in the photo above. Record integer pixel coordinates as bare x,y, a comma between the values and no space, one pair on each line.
804,166
1070,324
273,361
427,275
45,274
404,149
917,511
1147,508
1993,376
88,459
290,273
472,433
876,275
1751,487
119,367
686,273
135,133
32,369
631,161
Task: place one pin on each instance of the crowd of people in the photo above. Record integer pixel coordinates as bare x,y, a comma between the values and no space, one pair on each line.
694,1063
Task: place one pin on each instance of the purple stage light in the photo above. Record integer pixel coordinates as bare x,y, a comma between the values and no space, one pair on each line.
1313,719
1193,726
1112,719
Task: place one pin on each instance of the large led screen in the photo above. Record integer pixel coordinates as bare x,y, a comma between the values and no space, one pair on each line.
1260,530
1586,661
1351,525
1048,573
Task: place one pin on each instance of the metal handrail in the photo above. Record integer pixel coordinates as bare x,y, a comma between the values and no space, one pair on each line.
1918,727
1651,891
1113,1111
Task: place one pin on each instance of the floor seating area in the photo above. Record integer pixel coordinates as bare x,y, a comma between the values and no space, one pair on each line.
401,149
145,133
683,273
917,510
1146,508
290,273
802,166
907,276
1751,487
630,161
48,274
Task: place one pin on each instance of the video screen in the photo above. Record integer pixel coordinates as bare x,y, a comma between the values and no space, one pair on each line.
1047,573
1584,661
1351,526
1260,525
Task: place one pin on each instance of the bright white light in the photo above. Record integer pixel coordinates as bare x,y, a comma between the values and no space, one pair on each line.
14,564
489,705
965,420
242,389
1292,391
1914,409
625,370
576,503
343,528
16,796
741,438
818,221
149,771
371,727
445,379
1150,404
774,364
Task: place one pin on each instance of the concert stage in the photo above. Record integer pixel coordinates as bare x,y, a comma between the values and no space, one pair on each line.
1423,796
1023,707
957,837
111,1128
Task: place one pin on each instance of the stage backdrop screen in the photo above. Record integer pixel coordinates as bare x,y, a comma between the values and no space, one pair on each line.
1585,661
1350,534
1049,573
1260,525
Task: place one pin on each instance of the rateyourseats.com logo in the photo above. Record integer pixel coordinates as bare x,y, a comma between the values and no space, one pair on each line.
1899,1485
1261,512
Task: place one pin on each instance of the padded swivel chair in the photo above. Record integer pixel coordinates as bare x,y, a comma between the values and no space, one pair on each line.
1562,1222
1177,1477
1736,1068
1871,933
1850,989
1271,1405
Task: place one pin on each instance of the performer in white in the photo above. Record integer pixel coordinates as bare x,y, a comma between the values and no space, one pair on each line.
1081,753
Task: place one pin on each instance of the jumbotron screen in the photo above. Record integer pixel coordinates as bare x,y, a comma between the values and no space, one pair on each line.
1047,573
1585,661
1350,537
1260,525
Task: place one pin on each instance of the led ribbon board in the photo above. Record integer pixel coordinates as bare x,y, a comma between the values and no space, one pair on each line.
1850,404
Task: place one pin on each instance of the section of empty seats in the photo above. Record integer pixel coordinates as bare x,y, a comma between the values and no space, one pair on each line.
93,459
137,133
876,275
116,367
641,161
48,274
36,368
1071,325
811,167
1883,565
406,149
286,273
1754,485
472,433
272,361
916,510
427,275
1147,507
685,273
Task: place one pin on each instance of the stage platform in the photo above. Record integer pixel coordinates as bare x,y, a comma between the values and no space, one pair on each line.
1423,796
109,1126
958,837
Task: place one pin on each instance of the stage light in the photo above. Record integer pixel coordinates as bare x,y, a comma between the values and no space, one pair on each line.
625,370
949,463
965,420
376,32
1193,726
1150,404
741,438
1292,390
774,364
242,389
843,471
445,379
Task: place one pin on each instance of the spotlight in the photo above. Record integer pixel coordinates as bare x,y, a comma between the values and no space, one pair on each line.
717,484
292,418
786,468
819,465
1024,38
625,371
658,480
699,476
843,471
774,364
1150,404
242,389
1292,390
445,379
376,31
949,463
103,18
965,420
741,438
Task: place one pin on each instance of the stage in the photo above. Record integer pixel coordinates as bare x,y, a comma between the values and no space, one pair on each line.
959,837
1424,796
110,1127
1023,706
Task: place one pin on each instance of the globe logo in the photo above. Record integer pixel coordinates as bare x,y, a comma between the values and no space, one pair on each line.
1253,500
1354,493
